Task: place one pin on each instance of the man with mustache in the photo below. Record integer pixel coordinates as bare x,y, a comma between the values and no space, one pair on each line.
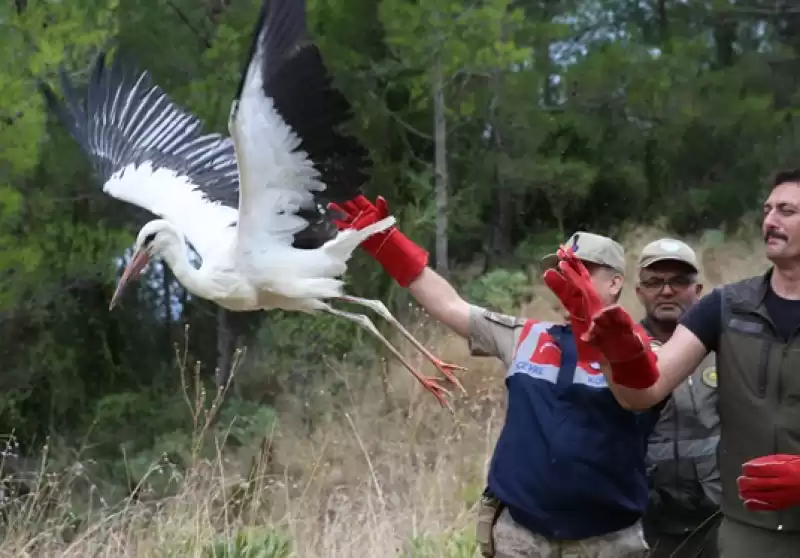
685,489
568,475
753,327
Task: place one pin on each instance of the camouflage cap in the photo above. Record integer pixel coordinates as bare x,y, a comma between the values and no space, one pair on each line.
592,248
668,249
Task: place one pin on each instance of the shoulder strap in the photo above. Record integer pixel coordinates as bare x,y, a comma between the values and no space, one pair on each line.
723,305
563,337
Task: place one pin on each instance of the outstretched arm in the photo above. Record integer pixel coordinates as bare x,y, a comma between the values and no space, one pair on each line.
441,301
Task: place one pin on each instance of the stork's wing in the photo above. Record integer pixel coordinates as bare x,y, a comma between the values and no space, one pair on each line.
149,152
292,158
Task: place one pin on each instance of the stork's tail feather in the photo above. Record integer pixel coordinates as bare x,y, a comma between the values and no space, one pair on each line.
320,276
344,244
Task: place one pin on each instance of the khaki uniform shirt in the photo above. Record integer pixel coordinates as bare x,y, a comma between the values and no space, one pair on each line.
493,334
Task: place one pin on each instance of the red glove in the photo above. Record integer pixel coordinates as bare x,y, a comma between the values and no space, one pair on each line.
580,303
770,483
623,343
399,256
626,347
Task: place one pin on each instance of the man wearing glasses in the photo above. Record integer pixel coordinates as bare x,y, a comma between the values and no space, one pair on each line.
685,486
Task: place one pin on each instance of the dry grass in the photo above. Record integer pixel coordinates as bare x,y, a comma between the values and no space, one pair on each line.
381,469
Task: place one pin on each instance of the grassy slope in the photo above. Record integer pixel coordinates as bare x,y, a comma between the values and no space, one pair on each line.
375,477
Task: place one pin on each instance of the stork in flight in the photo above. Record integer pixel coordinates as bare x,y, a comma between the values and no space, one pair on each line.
279,248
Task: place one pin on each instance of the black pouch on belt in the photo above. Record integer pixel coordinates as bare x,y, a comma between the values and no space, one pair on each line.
489,510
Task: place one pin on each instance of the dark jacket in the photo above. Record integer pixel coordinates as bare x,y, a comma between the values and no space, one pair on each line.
759,396
570,461
685,485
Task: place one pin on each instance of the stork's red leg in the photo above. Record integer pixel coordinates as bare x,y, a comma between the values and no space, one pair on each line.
430,384
443,367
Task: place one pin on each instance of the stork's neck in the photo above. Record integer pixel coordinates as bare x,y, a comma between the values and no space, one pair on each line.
176,257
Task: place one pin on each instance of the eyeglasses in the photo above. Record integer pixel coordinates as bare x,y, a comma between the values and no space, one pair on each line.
676,283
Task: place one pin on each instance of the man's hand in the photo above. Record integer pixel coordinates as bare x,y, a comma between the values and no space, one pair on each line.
579,302
770,483
359,213
399,256
611,330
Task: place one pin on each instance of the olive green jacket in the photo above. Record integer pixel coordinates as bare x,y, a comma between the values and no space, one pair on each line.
759,396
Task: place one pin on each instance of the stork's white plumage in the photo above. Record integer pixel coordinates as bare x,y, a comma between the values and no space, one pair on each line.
251,205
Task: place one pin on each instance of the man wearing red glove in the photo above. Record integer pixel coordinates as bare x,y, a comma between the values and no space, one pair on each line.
753,326
568,475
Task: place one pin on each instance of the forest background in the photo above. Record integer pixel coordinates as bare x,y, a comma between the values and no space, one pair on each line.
169,427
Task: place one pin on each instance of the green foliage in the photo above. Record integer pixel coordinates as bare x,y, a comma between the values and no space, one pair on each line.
149,439
250,543
471,493
35,42
461,544
500,289
713,238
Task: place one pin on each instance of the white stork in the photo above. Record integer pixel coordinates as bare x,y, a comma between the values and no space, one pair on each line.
279,249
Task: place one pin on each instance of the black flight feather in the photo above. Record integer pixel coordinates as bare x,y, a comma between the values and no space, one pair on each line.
296,79
125,120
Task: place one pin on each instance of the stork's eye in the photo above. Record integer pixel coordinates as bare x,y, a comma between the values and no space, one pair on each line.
149,238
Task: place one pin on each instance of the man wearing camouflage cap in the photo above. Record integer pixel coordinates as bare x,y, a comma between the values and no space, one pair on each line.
685,490
568,475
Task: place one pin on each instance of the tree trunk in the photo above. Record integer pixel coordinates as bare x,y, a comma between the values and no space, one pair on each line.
663,22
166,279
224,349
725,34
440,141
501,219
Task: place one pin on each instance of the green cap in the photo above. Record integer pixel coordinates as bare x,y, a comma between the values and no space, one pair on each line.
592,248
668,249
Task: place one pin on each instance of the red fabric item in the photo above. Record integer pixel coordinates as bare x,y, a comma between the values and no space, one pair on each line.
579,303
611,330
626,347
401,258
770,483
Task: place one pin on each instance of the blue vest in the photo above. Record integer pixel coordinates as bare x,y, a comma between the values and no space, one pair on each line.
570,461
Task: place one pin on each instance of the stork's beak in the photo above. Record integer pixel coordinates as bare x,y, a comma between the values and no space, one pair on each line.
139,260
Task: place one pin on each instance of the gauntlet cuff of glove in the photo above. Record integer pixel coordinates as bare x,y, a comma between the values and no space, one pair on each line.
638,372
400,257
